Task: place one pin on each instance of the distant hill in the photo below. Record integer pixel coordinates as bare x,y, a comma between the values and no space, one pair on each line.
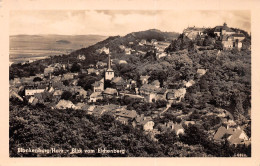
63,42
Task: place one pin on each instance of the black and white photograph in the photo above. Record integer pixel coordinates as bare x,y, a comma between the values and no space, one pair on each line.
130,83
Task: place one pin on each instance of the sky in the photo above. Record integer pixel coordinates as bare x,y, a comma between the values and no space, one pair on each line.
120,22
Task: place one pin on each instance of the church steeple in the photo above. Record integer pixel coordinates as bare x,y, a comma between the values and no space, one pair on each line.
109,62
109,75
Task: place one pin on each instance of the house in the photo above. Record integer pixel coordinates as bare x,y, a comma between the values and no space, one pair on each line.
57,84
85,107
128,51
56,78
57,95
74,82
90,109
154,42
68,76
98,86
14,94
103,49
91,65
152,93
238,36
233,135
176,94
130,84
123,112
101,64
79,91
98,111
110,92
33,100
122,62
193,32
170,126
124,116
228,42
48,70
122,47
81,57
122,120
41,98
145,122
238,137
144,79
187,123
142,42
92,70
118,83
161,46
15,81
95,96
140,52
178,129
223,30
156,83
65,104
31,90
153,133
80,106
132,96
26,80
160,55
84,71
230,123
201,72
238,44
189,83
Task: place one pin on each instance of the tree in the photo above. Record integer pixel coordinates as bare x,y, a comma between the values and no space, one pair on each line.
66,82
207,41
75,68
176,45
37,79
66,95
218,45
193,135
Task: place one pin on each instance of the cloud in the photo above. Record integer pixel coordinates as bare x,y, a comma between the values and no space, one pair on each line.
116,22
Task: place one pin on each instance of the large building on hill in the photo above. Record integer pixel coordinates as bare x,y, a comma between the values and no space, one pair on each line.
228,37
223,30
193,32
109,75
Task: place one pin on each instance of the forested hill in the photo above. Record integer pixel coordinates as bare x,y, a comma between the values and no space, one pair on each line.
135,37
154,34
113,43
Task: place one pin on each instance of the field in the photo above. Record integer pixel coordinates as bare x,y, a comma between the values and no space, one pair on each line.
25,47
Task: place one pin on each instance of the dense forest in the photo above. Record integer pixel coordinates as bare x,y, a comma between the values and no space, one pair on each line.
43,128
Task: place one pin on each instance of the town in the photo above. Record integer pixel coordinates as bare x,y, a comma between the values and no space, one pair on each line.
149,102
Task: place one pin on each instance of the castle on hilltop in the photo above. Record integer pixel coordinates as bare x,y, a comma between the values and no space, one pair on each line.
228,37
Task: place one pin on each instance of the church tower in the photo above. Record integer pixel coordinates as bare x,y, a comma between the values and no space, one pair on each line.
109,75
